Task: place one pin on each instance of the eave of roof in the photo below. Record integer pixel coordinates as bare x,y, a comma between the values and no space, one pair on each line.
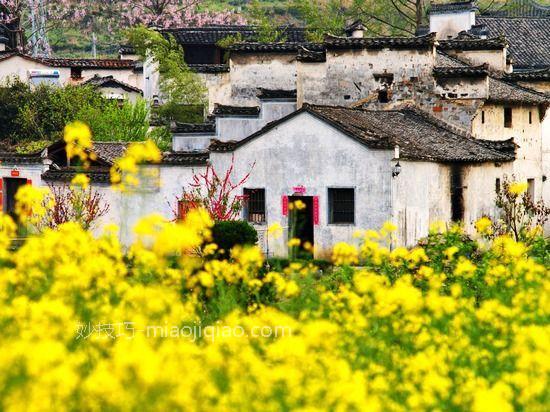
473,43
17,158
195,128
240,111
452,72
209,68
422,42
111,64
110,81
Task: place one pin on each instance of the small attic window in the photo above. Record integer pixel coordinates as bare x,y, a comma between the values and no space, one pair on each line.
530,117
383,96
483,117
508,117
76,73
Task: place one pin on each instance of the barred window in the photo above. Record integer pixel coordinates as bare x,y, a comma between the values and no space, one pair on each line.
255,205
341,205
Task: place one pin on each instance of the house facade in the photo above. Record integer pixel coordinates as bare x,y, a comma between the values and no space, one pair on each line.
121,78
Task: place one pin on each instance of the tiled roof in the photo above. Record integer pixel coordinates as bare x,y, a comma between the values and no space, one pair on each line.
255,47
529,39
185,158
67,174
223,110
419,135
276,94
111,64
311,56
206,128
110,151
16,158
468,42
110,81
529,75
520,8
469,71
501,91
91,63
213,34
209,68
423,42
126,49
452,7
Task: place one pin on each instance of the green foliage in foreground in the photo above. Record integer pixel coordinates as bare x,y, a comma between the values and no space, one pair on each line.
33,117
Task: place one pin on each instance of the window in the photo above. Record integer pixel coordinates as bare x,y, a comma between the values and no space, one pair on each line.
255,205
483,117
530,117
508,117
497,185
76,73
531,188
383,96
341,205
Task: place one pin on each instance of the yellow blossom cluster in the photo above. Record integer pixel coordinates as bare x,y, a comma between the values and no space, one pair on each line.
125,172
78,138
447,325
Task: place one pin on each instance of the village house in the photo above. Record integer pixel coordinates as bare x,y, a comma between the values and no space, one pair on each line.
120,79
362,130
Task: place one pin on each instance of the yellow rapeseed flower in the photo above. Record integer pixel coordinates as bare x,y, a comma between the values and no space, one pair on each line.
518,188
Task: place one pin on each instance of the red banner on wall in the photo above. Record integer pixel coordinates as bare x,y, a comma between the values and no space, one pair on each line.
316,210
285,205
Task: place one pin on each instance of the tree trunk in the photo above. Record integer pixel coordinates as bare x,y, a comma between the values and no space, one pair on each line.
419,13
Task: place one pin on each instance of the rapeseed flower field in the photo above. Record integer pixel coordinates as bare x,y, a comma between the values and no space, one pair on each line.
452,324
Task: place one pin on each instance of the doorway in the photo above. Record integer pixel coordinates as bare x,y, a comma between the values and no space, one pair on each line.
301,225
11,186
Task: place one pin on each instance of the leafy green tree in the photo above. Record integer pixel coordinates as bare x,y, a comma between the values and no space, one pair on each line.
268,30
179,86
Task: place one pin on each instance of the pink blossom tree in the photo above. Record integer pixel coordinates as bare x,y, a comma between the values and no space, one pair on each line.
32,19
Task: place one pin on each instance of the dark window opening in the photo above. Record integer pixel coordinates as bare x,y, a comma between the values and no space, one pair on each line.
508,117
497,185
202,54
76,73
383,96
347,97
255,205
341,205
483,117
530,117
457,194
531,188
11,186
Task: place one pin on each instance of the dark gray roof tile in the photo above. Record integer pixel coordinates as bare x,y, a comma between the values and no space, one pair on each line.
529,39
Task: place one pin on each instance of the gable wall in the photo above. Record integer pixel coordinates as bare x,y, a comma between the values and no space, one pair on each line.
307,151
529,137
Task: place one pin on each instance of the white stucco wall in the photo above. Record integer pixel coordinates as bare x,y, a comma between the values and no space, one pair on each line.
19,67
452,23
348,75
529,138
239,127
306,151
421,196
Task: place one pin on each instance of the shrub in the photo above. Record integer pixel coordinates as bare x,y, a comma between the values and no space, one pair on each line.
229,234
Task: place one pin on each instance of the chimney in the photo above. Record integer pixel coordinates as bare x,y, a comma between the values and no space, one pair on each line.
449,19
356,29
